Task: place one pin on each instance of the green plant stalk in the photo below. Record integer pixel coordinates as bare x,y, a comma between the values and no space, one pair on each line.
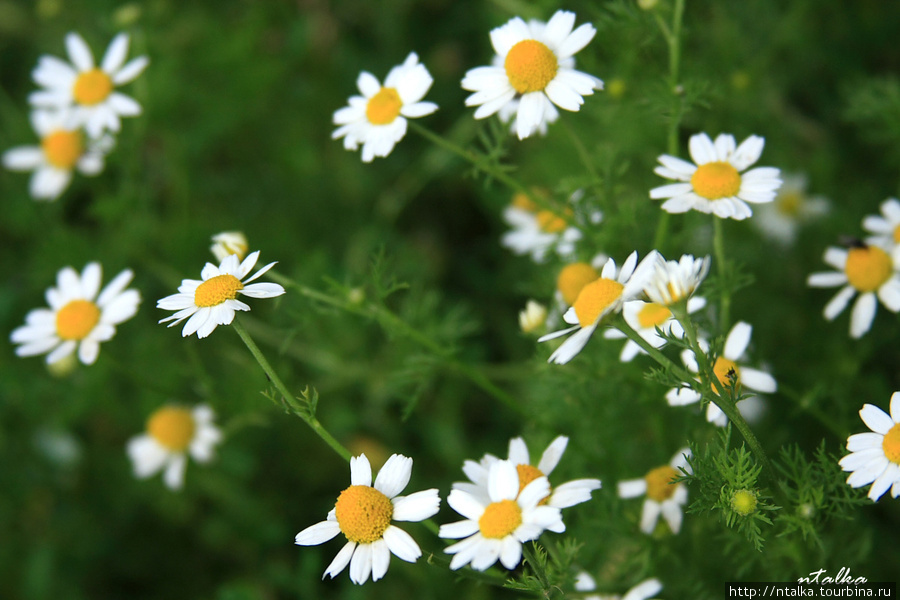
531,558
722,268
647,347
581,150
298,409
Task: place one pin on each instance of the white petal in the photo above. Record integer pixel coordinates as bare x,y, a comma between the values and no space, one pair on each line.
702,149
317,534
174,475
115,54
510,552
862,315
864,441
381,559
79,52
671,512
394,475
748,152
23,158
361,564
632,488
876,419
360,471
457,530
401,544
503,481
759,381
572,346
737,341
649,515
417,507
340,561
826,280
466,504
552,454
131,70
837,304
577,40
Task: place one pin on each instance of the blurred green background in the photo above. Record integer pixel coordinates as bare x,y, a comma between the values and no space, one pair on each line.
235,134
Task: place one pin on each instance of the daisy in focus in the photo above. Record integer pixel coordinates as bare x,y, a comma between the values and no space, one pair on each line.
885,229
538,231
792,207
534,69
212,300
172,433
875,456
868,270
88,89
377,118
63,149
716,183
229,242
664,497
80,315
596,300
496,526
726,370
642,591
363,513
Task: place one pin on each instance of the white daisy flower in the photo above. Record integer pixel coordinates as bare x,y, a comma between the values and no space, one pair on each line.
63,148
212,301
537,71
645,318
78,318
779,220
597,299
229,242
663,496
561,496
875,456
173,432
377,119
716,183
88,89
865,269
508,113
496,527
533,317
537,231
725,366
885,229
363,513
673,281
642,591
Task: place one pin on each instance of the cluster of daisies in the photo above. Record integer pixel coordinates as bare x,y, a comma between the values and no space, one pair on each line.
75,114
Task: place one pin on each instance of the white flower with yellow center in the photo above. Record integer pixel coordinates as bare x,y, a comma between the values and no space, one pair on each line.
88,89
597,299
377,119
642,591
363,513
229,242
80,315
63,148
793,206
212,301
534,67
172,433
865,269
885,228
875,456
717,183
537,231
726,369
663,495
497,525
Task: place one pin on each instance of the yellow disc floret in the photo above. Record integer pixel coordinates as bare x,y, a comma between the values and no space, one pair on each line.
789,204
363,513
173,427
594,298
522,201
384,107
550,222
62,148
573,278
868,268
897,234
527,474
891,444
77,319
530,66
653,315
659,483
92,87
743,502
500,519
216,290
724,369
716,180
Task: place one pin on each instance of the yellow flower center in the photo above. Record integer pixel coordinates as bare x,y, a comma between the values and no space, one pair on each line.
573,278
868,268
384,107
62,148
522,201
743,502
659,483
92,87
527,474
891,444
530,66
716,180
173,427
594,298
363,513
550,222
789,204
77,319
500,519
216,290
653,315
897,234
722,368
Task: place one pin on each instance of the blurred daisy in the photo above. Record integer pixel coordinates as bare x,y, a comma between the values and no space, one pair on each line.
537,231
496,526
779,220
212,301
715,183
173,432
875,456
663,496
561,496
572,278
88,89
78,318
537,72
377,119
598,299
363,513
885,229
645,318
533,317
865,269
229,242
725,369
642,591
63,148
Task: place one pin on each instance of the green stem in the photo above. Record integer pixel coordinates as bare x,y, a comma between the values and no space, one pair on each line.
722,268
582,151
531,559
654,353
301,411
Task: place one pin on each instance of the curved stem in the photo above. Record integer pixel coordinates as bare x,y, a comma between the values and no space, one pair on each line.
654,353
